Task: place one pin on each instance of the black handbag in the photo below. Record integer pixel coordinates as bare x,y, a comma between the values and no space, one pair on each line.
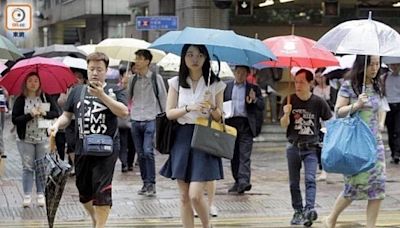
165,129
214,138
95,144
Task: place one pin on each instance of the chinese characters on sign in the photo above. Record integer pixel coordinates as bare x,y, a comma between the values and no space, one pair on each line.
18,18
157,23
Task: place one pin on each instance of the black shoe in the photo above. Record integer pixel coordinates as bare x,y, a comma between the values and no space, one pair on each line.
298,218
234,188
3,156
395,161
124,169
243,188
310,215
143,190
151,190
130,168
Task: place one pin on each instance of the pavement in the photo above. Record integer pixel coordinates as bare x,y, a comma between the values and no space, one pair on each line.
266,205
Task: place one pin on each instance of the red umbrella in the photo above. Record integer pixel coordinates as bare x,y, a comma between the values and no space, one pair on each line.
55,77
297,51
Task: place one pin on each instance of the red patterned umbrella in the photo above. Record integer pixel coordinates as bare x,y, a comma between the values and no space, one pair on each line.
55,77
297,51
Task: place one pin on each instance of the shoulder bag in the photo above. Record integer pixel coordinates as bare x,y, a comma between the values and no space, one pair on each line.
94,144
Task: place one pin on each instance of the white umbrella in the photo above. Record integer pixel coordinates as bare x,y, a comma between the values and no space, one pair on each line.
171,62
125,48
362,37
90,48
73,62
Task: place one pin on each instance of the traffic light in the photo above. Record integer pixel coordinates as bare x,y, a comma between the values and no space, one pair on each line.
331,8
244,8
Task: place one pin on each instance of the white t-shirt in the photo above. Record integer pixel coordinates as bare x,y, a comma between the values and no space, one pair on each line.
188,97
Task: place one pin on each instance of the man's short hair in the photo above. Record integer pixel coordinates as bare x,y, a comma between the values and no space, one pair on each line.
98,56
309,74
145,53
243,66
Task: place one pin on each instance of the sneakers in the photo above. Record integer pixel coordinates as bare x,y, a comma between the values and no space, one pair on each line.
298,218
151,190
213,211
41,200
322,176
27,201
143,190
310,215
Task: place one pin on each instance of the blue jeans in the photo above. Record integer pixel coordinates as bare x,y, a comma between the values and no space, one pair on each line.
29,153
295,157
143,138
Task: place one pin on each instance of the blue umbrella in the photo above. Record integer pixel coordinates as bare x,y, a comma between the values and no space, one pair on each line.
225,44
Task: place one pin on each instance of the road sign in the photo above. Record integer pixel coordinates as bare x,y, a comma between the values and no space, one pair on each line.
157,23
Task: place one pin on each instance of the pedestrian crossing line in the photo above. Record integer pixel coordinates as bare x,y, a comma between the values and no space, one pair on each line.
385,219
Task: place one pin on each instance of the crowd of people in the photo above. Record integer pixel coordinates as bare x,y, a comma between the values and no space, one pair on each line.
127,112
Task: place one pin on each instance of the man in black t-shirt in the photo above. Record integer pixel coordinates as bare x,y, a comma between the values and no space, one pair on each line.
301,118
103,103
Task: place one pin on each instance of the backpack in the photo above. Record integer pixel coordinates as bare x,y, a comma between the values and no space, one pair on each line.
153,82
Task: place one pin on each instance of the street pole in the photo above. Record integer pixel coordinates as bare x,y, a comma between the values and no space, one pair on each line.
102,19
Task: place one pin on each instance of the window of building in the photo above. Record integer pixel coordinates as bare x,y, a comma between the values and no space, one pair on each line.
167,7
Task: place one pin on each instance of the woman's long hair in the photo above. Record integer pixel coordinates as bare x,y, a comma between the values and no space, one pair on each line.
184,70
25,90
356,75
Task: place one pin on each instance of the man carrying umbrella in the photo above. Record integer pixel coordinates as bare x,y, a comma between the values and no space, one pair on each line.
301,118
102,104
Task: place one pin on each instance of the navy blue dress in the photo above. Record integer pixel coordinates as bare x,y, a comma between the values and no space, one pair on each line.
190,165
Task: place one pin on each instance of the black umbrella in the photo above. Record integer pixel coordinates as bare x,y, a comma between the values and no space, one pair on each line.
55,185
60,50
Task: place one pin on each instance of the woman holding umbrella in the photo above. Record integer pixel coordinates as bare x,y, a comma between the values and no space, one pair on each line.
30,108
186,101
368,185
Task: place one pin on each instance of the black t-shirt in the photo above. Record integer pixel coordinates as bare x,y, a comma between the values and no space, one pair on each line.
98,117
305,118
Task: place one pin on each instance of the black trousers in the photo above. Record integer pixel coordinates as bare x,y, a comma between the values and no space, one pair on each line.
241,161
60,144
127,149
393,127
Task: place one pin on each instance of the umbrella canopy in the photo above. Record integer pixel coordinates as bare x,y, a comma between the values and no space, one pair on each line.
90,48
59,50
297,51
362,37
72,62
171,62
8,50
225,44
125,48
55,76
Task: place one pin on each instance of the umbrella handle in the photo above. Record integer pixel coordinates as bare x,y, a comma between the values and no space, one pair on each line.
365,74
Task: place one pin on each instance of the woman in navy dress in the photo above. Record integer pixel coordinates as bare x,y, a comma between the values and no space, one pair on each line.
191,96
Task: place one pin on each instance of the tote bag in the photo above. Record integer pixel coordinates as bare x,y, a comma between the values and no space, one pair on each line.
214,138
349,146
